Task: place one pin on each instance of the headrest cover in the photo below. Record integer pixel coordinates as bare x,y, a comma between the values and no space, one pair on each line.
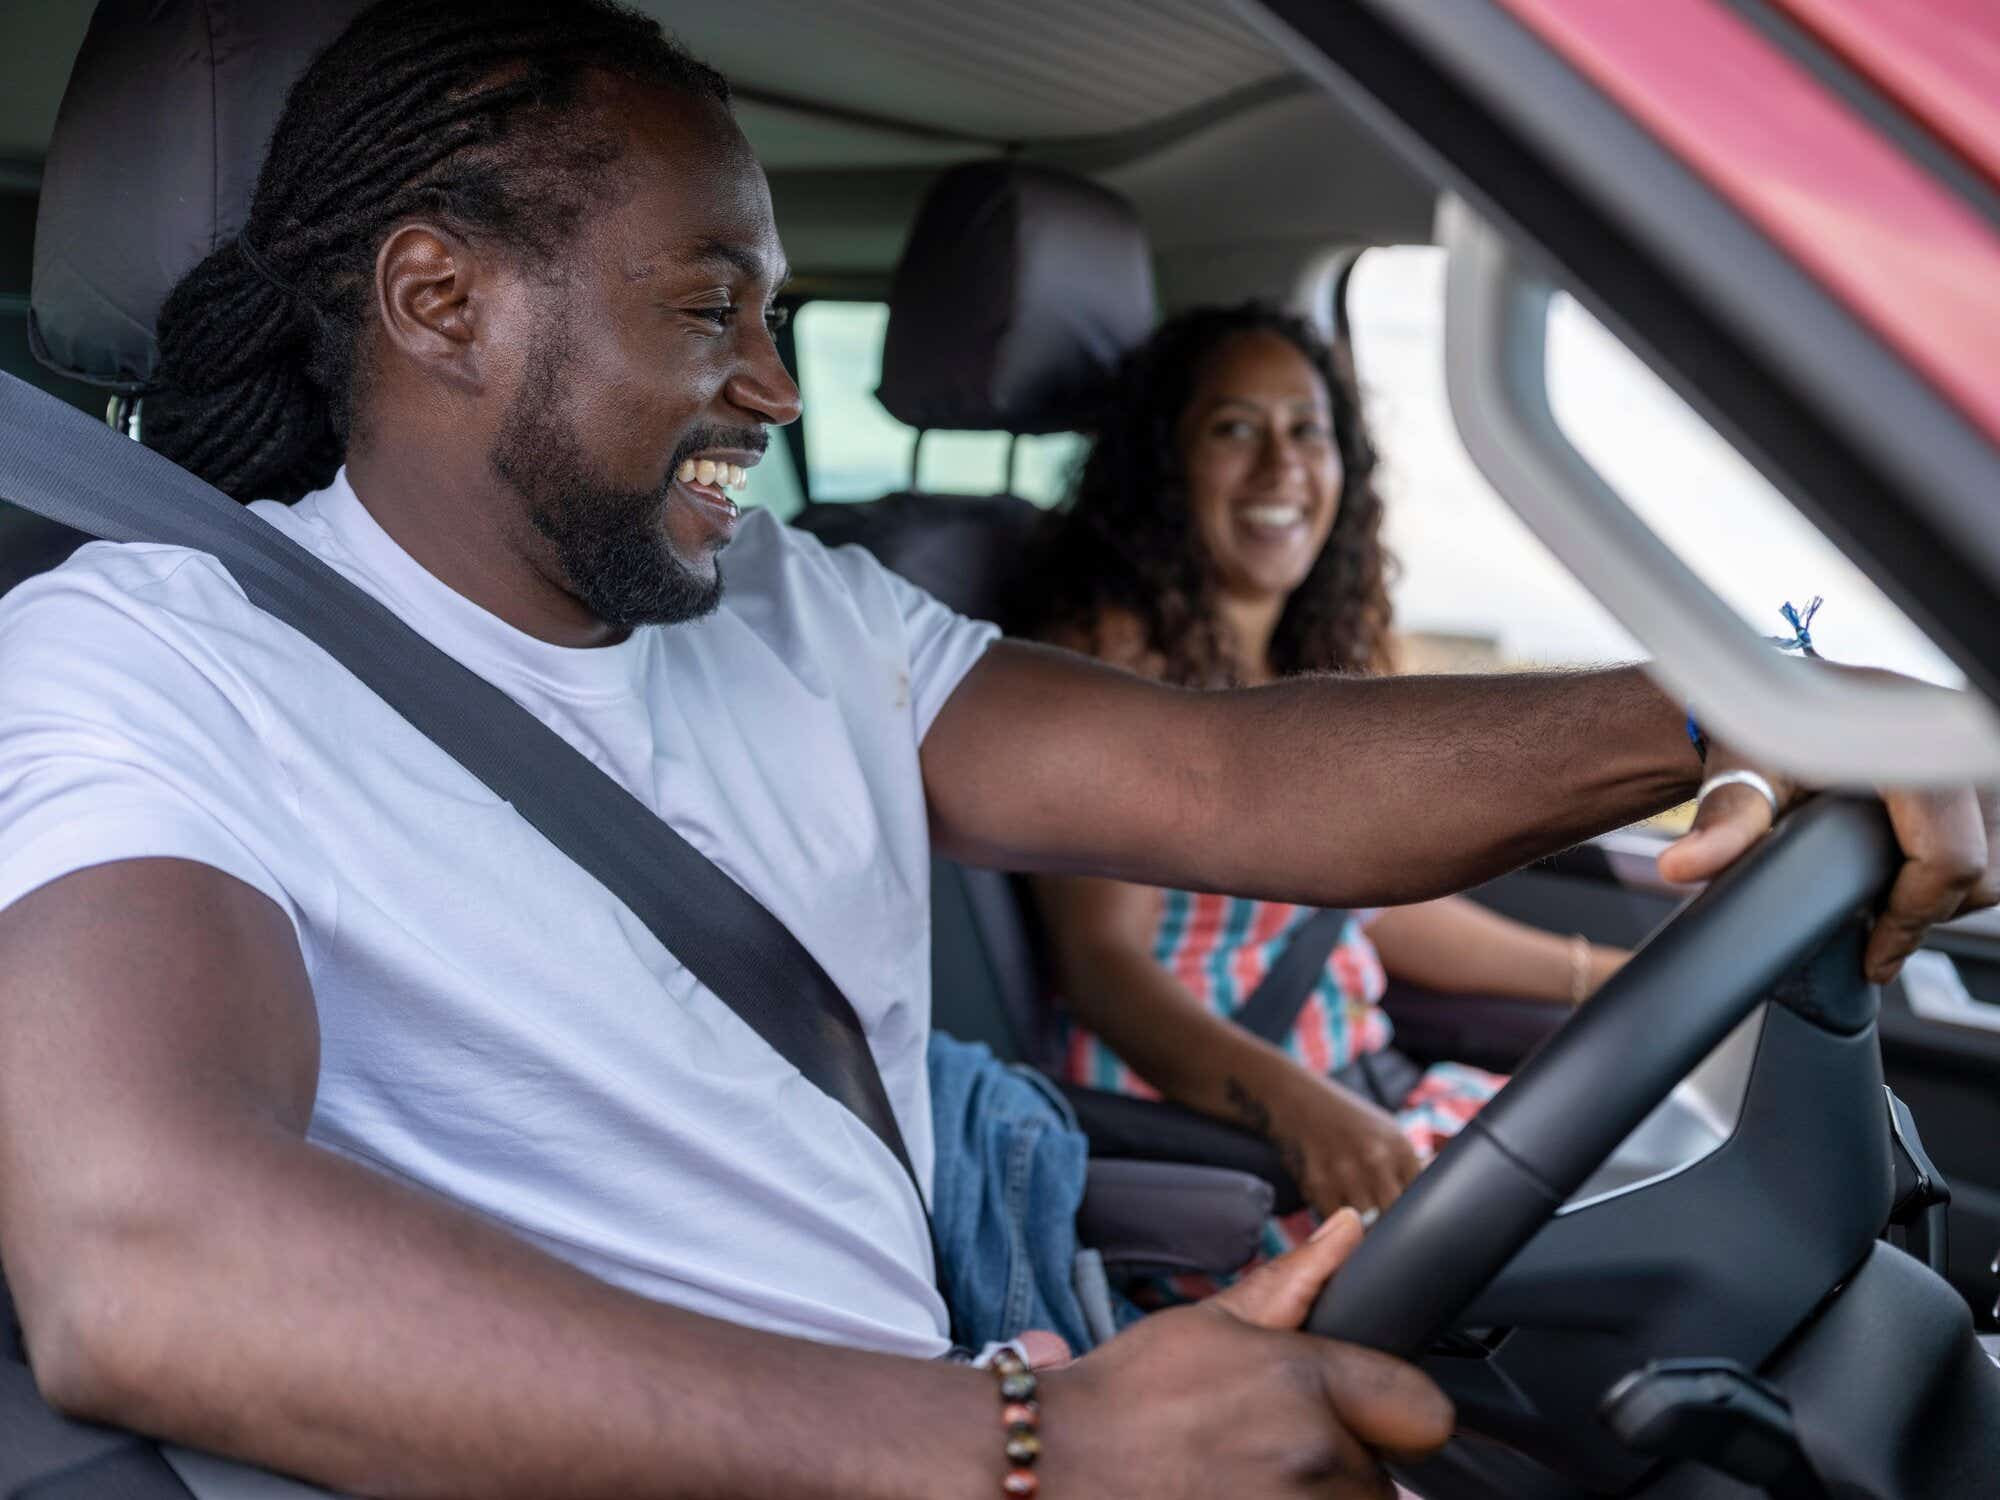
1020,290
153,162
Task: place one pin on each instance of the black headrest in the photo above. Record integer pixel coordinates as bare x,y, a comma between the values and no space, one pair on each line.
967,550
1018,293
153,161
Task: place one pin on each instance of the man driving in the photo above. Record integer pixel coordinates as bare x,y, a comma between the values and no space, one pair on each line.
348,1128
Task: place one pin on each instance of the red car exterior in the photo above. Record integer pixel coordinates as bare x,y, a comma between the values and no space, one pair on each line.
1909,255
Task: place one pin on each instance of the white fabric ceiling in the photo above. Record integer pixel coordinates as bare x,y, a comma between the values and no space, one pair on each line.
998,70
991,70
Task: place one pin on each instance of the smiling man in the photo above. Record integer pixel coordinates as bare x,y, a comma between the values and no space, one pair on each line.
348,1128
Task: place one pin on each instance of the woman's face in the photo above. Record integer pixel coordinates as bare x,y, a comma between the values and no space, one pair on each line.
1263,468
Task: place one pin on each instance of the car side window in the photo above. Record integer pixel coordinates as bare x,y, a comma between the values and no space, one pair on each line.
1478,590
856,451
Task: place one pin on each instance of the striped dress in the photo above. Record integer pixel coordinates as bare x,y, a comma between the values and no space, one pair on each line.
1220,948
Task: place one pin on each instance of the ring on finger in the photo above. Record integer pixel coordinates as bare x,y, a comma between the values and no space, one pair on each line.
1369,1216
1742,776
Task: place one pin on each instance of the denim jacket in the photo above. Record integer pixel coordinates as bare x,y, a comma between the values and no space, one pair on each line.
1004,1195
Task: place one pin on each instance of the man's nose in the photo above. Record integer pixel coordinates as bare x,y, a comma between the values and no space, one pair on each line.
762,386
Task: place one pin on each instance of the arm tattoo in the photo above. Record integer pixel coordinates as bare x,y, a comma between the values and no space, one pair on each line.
1255,1115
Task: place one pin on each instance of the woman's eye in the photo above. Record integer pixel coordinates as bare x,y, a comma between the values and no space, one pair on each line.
1233,429
1311,432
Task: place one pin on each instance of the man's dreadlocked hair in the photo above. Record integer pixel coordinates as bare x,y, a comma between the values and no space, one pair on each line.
1126,539
470,113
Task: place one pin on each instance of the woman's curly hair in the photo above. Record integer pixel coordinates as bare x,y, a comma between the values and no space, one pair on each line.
1126,541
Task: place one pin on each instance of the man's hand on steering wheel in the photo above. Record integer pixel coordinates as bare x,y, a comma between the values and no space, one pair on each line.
1950,840
1225,1399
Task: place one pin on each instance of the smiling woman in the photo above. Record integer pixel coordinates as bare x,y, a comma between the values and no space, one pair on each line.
1172,527
1226,532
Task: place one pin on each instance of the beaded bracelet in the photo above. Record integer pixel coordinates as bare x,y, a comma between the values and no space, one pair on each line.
1022,1415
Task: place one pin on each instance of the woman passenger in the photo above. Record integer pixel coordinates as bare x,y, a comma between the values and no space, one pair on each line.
1225,531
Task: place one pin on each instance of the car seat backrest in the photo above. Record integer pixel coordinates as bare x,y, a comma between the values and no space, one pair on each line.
151,166
155,155
965,550
1020,290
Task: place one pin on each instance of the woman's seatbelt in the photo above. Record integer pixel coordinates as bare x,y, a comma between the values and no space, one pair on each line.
1279,997
59,463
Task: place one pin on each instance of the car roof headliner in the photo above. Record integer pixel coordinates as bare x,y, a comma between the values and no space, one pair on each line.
853,104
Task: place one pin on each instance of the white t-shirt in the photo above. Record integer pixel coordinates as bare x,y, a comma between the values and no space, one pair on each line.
494,1025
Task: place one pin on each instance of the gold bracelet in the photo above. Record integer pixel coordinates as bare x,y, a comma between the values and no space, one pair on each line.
1579,968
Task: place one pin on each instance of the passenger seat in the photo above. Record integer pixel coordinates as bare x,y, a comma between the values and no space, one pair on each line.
1020,289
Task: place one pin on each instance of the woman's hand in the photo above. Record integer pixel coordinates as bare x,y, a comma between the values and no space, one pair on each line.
1343,1151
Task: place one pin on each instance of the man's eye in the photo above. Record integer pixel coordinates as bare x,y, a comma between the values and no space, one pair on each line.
774,318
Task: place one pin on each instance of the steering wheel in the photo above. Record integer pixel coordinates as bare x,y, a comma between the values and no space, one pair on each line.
1507,1172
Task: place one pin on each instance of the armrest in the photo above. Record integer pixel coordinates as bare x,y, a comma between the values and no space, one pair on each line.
1165,1217
1150,1130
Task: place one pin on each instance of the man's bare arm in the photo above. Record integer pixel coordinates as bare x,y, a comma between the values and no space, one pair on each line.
1331,790
187,1265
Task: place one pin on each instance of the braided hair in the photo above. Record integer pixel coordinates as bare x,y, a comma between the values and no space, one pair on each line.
471,113
1126,541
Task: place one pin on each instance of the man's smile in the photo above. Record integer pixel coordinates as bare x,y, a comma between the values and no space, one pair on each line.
707,479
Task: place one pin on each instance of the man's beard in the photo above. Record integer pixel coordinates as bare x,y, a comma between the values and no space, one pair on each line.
612,543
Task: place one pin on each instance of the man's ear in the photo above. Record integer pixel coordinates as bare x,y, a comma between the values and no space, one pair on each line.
427,284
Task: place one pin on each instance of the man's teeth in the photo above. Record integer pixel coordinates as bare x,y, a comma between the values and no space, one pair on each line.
708,471
1273,515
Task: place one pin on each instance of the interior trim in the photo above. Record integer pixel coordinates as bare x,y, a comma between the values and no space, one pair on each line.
1687,1127
1832,730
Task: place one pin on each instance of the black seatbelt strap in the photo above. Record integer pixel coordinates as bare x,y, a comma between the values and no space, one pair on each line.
59,463
1279,997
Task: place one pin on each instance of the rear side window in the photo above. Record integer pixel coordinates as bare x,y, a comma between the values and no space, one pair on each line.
856,451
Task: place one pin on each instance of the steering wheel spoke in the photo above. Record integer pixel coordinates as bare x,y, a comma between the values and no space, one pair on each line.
1513,1166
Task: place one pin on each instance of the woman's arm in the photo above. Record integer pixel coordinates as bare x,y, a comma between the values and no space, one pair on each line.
1339,1147
1459,946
